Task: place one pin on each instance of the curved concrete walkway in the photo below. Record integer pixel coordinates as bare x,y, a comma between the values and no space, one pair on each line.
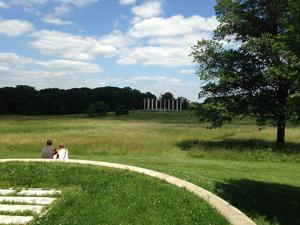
232,214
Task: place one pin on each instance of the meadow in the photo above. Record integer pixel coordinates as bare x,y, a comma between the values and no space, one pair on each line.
237,162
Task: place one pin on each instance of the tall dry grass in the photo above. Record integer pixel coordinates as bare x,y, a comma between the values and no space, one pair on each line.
156,134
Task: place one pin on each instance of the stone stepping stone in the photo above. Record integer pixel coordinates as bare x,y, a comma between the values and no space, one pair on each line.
38,192
15,219
20,208
27,200
7,191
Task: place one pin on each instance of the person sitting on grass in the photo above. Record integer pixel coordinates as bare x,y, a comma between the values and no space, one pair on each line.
61,153
47,151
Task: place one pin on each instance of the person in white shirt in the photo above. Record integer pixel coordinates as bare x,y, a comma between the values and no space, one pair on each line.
62,153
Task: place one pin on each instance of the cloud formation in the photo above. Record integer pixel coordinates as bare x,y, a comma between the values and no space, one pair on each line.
3,5
156,41
57,21
127,2
148,9
166,42
13,28
75,47
173,26
18,66
186,72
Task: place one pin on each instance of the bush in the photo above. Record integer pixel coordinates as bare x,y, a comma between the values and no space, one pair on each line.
98,108
122,110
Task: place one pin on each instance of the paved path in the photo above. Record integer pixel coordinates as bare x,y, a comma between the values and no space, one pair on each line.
232,214
13,202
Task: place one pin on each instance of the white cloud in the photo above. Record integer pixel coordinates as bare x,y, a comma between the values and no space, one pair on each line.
186,72
76,47
15,65
165,41
78,3
14,28
127,61
28,5
156,41
155,56
27,2
173,26
4,68
127,2
65,6
55,20
62,9
148,9
33,3
3,5
182,40
161,84
159,79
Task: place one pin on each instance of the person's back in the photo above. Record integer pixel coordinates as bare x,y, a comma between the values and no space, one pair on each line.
47,151
62,152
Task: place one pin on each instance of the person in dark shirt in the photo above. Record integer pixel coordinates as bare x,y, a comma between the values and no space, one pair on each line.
48,150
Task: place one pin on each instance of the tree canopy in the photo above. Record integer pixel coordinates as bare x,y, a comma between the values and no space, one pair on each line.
260,75
26,100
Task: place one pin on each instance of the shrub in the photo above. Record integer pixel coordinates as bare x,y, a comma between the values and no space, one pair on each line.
122,110
98,108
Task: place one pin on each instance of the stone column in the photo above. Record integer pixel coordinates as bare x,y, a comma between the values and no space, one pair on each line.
180,104
173,104
169,104
148,103
156,104
165,104
177,104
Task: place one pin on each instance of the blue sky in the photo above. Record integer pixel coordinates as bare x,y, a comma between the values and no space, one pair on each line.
143,44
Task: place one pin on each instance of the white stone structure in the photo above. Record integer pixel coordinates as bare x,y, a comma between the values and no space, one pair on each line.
163,104
13,202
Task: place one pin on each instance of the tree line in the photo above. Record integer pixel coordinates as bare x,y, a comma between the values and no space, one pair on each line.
26,100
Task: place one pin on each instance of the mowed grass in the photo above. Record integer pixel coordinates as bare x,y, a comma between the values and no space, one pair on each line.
236,161
94,196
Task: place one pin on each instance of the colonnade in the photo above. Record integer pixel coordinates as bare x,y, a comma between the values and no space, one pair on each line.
163,104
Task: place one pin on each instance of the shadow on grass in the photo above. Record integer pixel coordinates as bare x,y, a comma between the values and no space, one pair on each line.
235,144
274,202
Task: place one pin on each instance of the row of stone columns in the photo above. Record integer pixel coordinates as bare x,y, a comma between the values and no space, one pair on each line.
162,104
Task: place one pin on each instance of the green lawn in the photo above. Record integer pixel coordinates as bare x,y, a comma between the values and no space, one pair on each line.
236,161
94,196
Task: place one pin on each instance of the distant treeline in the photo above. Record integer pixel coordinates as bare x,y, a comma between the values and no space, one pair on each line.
26,100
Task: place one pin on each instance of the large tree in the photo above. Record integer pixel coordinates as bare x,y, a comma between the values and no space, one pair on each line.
261,75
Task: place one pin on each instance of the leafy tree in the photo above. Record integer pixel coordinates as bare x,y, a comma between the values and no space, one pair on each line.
184,103
122,110
167,95
260,75
53,101
149,95
24,100
98,108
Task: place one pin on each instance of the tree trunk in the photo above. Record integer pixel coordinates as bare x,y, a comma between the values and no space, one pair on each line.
280,134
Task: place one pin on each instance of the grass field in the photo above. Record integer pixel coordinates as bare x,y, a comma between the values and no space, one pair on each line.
236,161
94,196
